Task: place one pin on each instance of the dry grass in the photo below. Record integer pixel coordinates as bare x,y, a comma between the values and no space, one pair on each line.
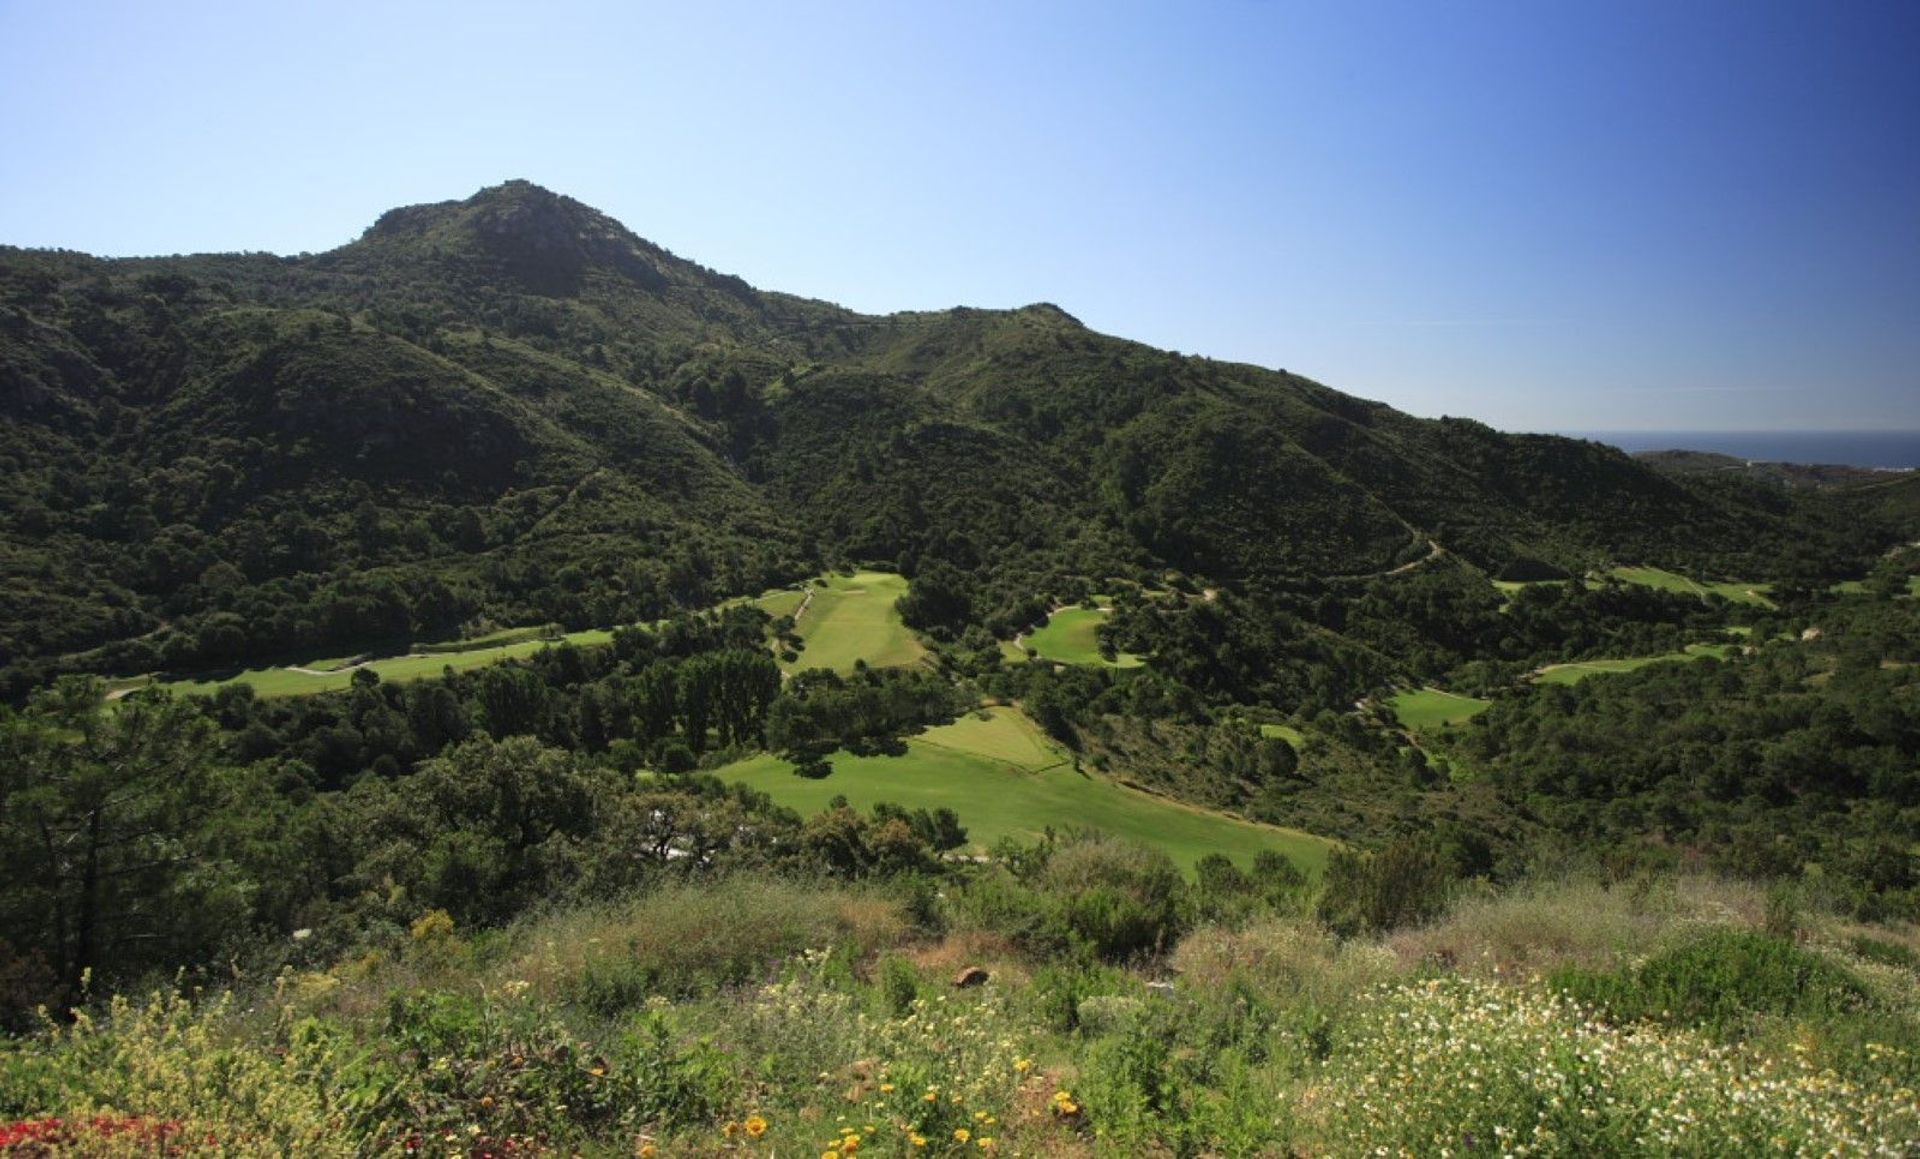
943,960
687,938
1286,956
1579,922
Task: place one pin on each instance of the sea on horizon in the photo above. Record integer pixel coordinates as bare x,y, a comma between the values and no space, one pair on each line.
1878,450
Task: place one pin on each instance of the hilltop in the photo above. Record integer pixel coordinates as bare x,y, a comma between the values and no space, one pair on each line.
512,409
566,699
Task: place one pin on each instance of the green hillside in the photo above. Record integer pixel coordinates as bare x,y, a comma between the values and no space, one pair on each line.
499,687
512,409
1006,780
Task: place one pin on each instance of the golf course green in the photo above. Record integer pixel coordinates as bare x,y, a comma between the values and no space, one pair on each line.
853,617
1005,778
1428,708
1071,636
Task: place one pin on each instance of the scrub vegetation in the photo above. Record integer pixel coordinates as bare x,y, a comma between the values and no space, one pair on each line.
499,687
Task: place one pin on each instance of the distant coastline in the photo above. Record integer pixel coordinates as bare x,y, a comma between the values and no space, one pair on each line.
1878,450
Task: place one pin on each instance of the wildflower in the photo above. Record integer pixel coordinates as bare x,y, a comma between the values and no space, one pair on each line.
598,1072
917,1139
1022,1065
647,1151
829,1154
961,1134
986,1143
886,1088
731,1129
756,1126
850,1144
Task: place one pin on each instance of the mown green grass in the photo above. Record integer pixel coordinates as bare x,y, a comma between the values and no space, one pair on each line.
780,602
1859,587
1071,636
1576,672
1512,587
1735,592
490,640
287,682
855,618
1285,732
1427,708
987,772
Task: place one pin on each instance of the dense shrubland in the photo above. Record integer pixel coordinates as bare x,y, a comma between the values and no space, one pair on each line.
509,909
747,1014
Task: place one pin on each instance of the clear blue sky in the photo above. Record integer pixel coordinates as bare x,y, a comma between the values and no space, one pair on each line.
1550,216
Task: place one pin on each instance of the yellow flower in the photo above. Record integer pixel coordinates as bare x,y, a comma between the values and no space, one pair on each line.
930,1097
829,1155
986,1144
731,1129
886,1088
756,1126
980,1116
850,1144
917,1140
961,1134
598,1072
1023,1065
647,1151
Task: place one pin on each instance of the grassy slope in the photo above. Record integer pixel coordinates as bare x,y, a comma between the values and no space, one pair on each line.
289,682
854,618
1653,577
1432,708
1285,732
1580,670
1071,636
1005,779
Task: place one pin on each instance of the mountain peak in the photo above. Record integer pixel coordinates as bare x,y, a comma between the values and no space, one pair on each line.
544,241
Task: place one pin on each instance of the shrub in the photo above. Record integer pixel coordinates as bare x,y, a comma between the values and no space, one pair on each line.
1718,983
1123,899
1405,884
693,937
1471,1066
899,984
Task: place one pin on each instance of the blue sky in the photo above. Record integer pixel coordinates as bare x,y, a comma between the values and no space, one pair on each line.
1550,216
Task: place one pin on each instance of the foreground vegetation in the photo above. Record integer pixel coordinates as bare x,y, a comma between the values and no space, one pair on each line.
702,883
754,1016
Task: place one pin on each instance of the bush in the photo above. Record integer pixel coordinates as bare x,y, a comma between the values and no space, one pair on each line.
1405,884
1719,982
1120,898
899,984
692,938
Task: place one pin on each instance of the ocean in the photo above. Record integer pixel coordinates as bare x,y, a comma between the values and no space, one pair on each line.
1887,450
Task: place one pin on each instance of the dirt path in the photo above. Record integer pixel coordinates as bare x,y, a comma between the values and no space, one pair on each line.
1434,552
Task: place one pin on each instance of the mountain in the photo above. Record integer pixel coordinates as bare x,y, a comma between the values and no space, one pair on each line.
512,409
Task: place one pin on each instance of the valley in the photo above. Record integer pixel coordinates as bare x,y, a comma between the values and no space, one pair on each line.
500,686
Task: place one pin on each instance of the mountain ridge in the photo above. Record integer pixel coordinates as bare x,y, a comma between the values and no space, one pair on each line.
426,406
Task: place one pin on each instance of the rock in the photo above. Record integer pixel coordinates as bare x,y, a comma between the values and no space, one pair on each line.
971,976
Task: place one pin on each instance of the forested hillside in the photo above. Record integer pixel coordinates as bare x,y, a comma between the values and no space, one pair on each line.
512,410
503,688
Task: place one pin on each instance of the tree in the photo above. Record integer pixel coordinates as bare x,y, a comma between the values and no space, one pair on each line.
103,824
